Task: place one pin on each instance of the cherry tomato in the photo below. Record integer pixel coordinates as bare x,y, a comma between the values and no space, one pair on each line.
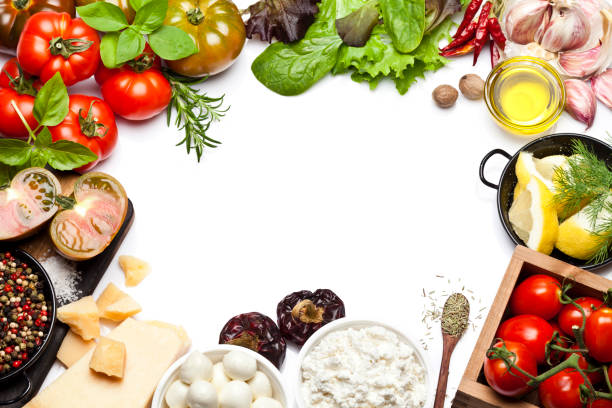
537,295
54,42
20,90
601,403
137,95
533,331
562,390
144,61
598,335
90,122
511,383
596,377
570,315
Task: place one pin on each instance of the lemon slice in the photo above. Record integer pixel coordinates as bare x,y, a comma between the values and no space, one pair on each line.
576,234
534,217
543,169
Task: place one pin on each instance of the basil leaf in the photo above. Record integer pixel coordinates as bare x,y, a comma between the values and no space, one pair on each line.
5,176
39,158
103,16
108,50
129,45
151,16
67,155
43,139
171,43
14,152
51,103
138,4
405,22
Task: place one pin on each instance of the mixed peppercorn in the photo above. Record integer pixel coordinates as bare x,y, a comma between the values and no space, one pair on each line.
24,312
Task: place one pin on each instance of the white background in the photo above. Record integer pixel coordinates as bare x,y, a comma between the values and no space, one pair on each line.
368,193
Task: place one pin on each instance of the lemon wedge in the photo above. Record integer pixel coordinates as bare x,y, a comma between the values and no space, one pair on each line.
534,218
576,234
543,169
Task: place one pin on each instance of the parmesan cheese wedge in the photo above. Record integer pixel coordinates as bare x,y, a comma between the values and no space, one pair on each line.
82,317
135,269
110,295
122,309
150,350
73,348
109,358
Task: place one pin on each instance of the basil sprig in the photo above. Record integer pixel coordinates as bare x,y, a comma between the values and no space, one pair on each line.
124,42
50,109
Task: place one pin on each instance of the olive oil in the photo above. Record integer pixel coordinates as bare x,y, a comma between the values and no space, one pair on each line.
525,96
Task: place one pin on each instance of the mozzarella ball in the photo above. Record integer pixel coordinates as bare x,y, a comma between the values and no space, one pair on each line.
260,385
239,365
176,396
219,379
202,394
196,367
266,402
236,394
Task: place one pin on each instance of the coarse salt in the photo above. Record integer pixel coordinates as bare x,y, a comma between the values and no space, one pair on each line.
65,278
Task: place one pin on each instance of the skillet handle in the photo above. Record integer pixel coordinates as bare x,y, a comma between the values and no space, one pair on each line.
484,161
21,395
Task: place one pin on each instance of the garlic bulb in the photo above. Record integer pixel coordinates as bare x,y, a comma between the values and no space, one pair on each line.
590,7
568,28
579,63
602,87
524,20
580,101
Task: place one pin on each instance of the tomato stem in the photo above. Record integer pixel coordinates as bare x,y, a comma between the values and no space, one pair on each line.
66,203
21,84
24,121
65,48
195,16
607,378
578,331
88,124
20,4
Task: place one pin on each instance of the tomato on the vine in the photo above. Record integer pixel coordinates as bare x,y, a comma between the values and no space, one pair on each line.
562,390
537,295
54,42
511,383
17,88
595,377
91,123
138,90
598,335
570,315
532,331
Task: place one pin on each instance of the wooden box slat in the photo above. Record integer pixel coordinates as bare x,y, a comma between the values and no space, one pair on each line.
472,391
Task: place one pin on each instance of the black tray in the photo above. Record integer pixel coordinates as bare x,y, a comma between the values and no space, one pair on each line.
92,271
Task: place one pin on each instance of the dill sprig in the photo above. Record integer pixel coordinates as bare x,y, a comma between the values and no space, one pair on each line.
587,179
195,112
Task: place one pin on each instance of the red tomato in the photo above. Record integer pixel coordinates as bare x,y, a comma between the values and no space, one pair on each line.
91,123
598,335
511,383
595,377
533,331
21,91
144,61
601,403
562,390
570,315
54,42
537,295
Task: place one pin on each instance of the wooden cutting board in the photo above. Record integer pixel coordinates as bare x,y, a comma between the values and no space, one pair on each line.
91,271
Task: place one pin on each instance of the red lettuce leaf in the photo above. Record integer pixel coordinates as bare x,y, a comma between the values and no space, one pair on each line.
285,20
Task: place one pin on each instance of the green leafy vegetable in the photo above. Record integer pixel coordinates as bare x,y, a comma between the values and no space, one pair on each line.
285,20
436,11
67,155
405,22
290,69
355,28
51,103
103,16
129,45
108,50
14,152
151,16
172,43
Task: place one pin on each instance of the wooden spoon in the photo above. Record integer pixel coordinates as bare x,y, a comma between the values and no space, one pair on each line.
454,321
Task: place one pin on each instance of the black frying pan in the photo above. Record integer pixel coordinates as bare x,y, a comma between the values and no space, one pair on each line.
560,143
50,295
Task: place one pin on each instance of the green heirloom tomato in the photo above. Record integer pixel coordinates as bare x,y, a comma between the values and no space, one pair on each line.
217,29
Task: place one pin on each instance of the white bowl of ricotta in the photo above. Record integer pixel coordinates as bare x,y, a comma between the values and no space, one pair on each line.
354,363
216,355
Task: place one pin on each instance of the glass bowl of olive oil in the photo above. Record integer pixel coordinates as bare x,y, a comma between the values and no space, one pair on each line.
525,95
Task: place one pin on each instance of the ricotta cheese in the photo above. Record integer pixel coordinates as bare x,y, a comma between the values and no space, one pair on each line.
363,368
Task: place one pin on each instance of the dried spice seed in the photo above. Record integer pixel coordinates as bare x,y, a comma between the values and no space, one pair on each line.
456,315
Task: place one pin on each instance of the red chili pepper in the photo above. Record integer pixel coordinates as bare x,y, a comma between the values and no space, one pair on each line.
462,50
496,32
495,55
464,37
482,32
470,12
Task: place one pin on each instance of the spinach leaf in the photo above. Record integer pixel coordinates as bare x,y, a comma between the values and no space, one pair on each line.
290,69
405,22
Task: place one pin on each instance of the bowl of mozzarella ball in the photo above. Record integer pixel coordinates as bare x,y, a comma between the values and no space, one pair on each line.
224,377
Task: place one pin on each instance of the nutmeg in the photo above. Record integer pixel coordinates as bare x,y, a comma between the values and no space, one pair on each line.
472,86
445,96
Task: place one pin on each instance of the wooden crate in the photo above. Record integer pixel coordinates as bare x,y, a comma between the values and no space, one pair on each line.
473,390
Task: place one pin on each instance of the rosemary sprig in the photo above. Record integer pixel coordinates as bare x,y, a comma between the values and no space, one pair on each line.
195,112
587,179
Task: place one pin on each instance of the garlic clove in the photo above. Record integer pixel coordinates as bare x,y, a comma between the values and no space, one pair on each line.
568,29
579,63
580,101
602,87
524,19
